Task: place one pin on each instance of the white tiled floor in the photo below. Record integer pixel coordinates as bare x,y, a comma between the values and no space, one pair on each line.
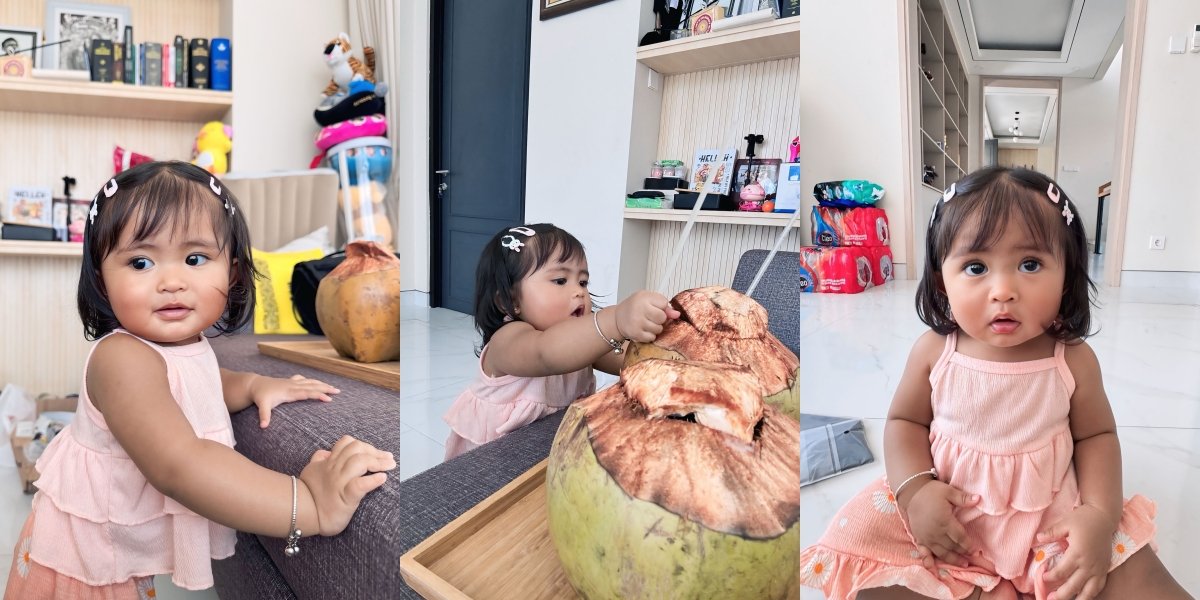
1149,350
15,505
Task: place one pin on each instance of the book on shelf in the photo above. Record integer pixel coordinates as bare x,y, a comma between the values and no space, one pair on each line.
154,58
101,60
119,62
221,73
180,46
168,65
30,205
198,63
709,159
130,56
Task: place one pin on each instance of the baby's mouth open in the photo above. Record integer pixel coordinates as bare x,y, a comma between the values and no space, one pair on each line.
578,312
1005,325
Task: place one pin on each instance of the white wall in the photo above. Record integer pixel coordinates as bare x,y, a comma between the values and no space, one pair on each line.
850,103
278,76
581,95
1164,191
408,109
1087,138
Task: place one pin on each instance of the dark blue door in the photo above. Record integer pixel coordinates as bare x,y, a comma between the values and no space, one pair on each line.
479,83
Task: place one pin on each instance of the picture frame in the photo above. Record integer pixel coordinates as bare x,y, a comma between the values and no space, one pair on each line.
765,171
29,205
20,39
78,24
548,9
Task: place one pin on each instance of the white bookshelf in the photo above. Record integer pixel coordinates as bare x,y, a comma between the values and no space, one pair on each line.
944,97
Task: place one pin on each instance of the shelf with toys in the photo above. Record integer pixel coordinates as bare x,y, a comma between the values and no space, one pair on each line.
748,78
772,40
113,100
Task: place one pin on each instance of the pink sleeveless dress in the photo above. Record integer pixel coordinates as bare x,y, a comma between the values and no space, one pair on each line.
493,406
999,430
97,521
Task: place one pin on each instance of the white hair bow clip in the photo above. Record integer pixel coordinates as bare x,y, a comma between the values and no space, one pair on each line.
512,243
110,188
212,185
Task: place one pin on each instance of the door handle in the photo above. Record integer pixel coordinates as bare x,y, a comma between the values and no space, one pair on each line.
442,172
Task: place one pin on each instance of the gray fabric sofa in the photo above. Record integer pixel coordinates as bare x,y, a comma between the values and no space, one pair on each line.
778,292
362,562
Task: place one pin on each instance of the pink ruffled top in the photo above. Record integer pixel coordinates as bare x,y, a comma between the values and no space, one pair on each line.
1001,430
99,520
493,406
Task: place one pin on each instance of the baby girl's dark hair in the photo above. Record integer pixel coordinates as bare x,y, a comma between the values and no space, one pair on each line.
148,198
991,199
502,267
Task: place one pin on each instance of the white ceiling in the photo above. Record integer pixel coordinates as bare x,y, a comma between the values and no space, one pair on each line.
1032,38
1037,38
1033,108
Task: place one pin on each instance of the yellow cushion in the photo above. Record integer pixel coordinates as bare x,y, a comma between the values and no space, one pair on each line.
273,293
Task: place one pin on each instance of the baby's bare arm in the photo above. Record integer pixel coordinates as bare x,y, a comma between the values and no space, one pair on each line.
1097,450
906,435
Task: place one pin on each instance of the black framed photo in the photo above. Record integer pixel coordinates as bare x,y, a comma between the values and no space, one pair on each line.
548,9
763,171
20,40
76,25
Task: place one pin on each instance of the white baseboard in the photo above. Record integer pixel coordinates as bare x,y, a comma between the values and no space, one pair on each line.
1164,279
900,271
414,298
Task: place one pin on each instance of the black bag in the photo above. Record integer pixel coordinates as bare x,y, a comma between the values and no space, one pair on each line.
306,277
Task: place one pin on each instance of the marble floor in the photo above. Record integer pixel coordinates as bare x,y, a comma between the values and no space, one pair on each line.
1149,349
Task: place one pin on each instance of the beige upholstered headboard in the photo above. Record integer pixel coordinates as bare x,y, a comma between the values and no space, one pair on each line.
281,206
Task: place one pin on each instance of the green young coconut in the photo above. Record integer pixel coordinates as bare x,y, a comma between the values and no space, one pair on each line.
679,482
719,324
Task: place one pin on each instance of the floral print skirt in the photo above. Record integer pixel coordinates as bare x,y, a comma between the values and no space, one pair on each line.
28,580
868,545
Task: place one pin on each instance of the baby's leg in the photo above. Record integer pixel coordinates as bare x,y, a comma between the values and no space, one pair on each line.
899,593
1143,576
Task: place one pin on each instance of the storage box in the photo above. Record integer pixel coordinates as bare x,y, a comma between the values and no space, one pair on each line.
831,445
22,436
687,200
20,231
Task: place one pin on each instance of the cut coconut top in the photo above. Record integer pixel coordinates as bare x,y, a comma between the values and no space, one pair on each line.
722,311
692,469
717,309
719,396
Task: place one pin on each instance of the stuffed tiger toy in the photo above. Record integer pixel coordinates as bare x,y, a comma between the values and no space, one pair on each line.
344,66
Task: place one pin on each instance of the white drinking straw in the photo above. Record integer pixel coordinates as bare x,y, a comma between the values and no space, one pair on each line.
771,254
687,230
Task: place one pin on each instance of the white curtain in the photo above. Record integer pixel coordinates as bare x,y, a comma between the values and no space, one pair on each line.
373,23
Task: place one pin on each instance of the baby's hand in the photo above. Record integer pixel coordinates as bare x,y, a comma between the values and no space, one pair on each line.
641,316
1083,569
338,480
269,392
934,526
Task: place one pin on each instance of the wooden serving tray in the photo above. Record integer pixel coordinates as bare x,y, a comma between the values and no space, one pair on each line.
320,355
499,550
